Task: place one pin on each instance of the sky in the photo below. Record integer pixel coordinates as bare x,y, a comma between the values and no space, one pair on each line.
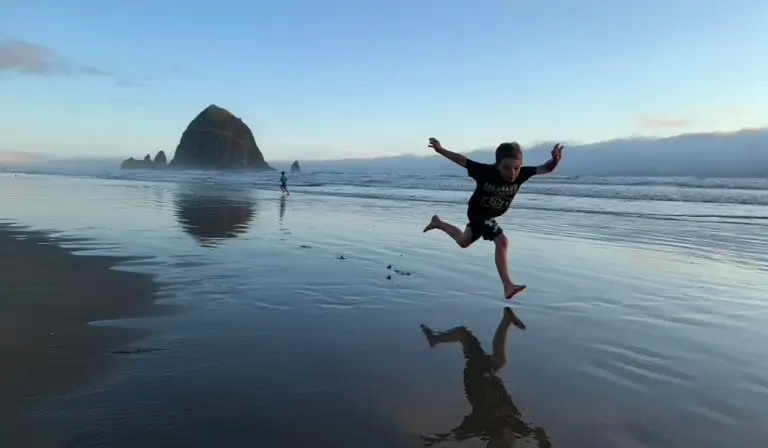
343,78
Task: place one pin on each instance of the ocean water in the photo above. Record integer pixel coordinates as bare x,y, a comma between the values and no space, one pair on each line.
301,316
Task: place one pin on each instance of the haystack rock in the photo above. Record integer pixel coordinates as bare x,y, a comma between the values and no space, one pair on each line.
217,139
295,168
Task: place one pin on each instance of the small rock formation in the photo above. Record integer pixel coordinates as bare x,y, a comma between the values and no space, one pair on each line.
160,159
131,163
219,140
145,164
295,168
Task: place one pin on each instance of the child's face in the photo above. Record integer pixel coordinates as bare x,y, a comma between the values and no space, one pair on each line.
510,168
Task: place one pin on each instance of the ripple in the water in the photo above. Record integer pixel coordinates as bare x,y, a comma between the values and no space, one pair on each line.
212,216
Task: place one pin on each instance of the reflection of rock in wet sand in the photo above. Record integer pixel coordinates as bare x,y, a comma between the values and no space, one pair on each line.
494,417
213,216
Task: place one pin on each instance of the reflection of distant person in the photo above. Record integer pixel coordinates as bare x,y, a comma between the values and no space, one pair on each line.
284,183
282,207
494,416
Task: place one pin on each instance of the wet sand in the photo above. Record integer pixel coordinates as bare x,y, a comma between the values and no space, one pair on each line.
302,323
49,296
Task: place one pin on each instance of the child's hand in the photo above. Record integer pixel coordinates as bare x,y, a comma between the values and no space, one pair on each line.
435,144
557,152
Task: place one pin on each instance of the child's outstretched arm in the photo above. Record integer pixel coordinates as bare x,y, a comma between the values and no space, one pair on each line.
450,155
551,164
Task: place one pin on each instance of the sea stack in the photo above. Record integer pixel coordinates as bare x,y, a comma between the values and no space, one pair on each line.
160,159
134,164
217,139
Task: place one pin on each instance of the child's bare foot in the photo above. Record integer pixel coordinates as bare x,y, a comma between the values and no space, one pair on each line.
509,314
429,334
433,224
511,290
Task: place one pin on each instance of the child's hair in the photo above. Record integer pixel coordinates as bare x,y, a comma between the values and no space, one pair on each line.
283,172
508,151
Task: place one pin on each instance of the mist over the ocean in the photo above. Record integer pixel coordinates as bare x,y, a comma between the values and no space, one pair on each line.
739,154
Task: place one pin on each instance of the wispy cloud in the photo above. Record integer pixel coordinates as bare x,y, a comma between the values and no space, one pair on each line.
33,59
28,58
14,157
133,81
734,111
659,121
178,70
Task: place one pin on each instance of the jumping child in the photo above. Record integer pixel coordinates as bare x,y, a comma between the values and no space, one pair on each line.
496,187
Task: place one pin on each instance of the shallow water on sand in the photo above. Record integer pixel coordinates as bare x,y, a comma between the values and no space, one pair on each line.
302,314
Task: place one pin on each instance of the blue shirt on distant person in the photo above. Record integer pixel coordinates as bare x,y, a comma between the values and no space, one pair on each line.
283,183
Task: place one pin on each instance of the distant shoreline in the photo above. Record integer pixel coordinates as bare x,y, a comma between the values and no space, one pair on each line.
737,155
49,170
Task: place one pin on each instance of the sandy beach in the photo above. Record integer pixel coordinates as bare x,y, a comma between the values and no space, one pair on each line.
302,318
49,297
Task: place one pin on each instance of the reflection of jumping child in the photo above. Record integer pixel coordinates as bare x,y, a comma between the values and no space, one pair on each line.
494,416
284,183
497,186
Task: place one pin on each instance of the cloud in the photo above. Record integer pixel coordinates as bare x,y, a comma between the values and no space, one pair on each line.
734,111
16,157
185,72
658,121
33,59
134,81
28,58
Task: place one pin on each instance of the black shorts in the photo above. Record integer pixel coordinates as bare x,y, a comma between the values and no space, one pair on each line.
487,228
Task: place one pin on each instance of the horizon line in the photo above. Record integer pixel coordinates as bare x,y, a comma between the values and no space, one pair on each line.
47,157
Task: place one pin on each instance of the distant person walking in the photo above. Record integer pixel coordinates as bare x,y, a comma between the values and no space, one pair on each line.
284,184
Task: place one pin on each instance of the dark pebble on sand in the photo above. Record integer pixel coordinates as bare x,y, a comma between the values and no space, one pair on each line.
131,351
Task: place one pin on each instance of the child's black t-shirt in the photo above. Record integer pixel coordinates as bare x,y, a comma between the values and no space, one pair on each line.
493,194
